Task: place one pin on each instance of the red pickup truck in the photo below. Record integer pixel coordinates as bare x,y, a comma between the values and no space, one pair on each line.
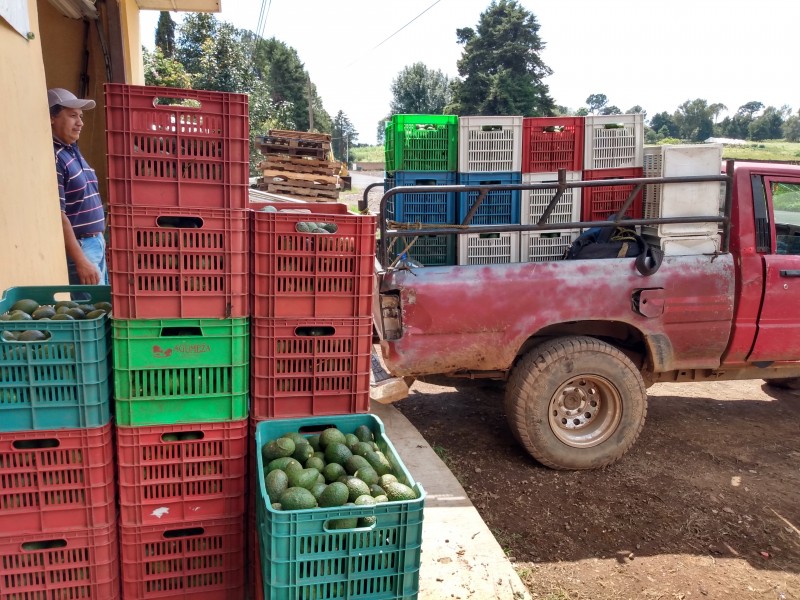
579,341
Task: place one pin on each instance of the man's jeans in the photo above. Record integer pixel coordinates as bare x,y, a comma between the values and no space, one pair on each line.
94,248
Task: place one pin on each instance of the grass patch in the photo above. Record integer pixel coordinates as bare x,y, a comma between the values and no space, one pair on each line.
441,452
777,150
367,154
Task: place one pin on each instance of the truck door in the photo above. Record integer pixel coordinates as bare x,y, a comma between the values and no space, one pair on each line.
778,336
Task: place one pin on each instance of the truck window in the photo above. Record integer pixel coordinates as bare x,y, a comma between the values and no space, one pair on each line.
786,205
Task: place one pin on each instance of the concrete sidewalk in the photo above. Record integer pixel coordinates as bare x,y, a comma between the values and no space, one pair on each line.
460,557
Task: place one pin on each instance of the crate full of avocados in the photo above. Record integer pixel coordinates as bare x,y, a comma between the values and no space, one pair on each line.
338,513
55,357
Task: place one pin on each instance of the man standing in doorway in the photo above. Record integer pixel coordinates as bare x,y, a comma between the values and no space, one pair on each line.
82,213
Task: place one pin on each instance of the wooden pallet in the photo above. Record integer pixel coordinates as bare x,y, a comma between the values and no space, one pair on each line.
295,164
291,177
303,135
315,191
292,150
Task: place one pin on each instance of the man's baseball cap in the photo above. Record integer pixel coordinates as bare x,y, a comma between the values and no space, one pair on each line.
67,99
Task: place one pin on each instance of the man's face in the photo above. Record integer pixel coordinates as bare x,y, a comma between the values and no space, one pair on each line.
67,125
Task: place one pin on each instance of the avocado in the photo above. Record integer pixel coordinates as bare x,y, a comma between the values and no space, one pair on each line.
354,463
397,491
65,304
316,463
105,306
304,478
284,463
385,480
276,483
378,462
329,436
62,317
43,312
363,433
335,494
95,314
297,498
278,448
317,490
313,440
337,453
32,335
350,440
367,474
356,488
19,315
361,448
76,313
26,305
302,451
303,227
333,471
376,490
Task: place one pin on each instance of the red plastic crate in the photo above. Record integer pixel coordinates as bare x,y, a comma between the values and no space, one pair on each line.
193,154
203,560
552,143
60,565
182,473
602,201
179,263
56,480
298,274
308,367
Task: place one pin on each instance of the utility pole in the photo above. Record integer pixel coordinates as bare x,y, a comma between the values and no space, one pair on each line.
310,104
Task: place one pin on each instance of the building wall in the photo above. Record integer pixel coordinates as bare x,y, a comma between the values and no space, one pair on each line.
31,239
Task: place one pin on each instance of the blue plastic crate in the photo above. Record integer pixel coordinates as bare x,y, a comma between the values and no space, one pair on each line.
301,557
430,250
499,207
60,382
428,208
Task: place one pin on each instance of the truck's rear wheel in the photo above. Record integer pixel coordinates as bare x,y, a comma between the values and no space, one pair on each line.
576,403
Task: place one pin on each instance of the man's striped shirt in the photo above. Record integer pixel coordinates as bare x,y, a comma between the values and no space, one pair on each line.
77,190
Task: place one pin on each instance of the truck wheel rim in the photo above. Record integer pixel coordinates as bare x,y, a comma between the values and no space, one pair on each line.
585,411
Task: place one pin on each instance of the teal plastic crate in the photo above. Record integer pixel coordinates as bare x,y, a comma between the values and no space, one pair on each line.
63,381
421,143
170,371
302,557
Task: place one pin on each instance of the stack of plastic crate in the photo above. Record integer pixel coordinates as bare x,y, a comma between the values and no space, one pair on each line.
490,153
58,533
422,150
682,199
311,293
613,149
550,144
179,260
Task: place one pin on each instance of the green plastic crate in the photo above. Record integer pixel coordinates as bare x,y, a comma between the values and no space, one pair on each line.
64,381
301,557
169,371
421,143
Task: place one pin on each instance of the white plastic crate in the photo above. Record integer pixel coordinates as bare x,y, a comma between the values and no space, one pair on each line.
613,141
489,144
546,246
488,248
567,209
685,245
682,199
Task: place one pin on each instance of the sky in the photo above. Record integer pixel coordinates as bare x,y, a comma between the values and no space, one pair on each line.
654,53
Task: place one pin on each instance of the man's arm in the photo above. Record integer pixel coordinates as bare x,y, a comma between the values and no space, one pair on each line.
87,272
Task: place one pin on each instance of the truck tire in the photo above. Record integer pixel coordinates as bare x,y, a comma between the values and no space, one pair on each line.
576,403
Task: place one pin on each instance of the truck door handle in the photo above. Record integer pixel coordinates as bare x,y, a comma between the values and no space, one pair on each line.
790,273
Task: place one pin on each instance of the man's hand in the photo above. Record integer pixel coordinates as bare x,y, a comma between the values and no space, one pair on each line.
87,272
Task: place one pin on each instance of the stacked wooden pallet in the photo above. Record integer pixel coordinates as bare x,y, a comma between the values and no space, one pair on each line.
297,165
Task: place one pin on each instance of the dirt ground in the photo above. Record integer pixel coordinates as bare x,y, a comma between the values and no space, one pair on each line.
705,505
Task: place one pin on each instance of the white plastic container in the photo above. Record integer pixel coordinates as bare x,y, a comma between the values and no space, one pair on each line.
546,246
489,144
686,245
682,199
488,248
613,141
533,202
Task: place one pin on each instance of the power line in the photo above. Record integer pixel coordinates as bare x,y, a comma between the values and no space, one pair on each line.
396,32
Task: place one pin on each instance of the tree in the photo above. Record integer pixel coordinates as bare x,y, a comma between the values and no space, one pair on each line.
663,122
694,120
420,90
164,72
223,67
193,33
165,34
596,102
380,132
610,110
637,110
791,128
749,109
769,125
501,66
343,137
